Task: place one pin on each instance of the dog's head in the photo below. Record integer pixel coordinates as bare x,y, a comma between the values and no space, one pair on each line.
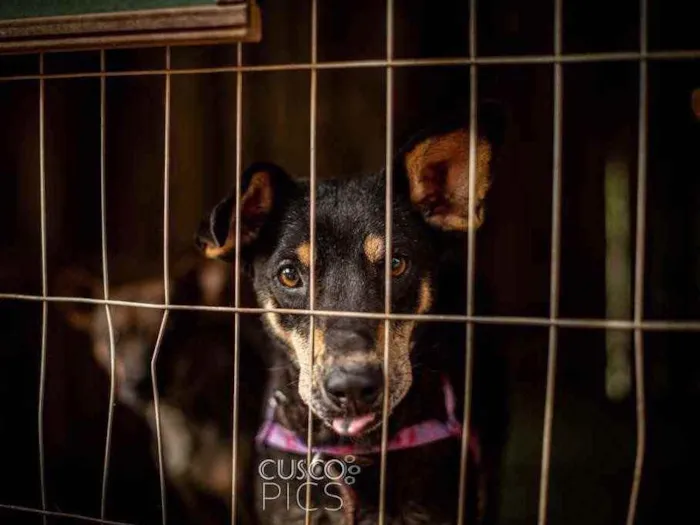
134,329
344,382
194,365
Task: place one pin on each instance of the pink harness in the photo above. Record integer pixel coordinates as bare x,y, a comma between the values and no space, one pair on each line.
276,436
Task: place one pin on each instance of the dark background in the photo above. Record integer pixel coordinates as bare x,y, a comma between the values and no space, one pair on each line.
594,438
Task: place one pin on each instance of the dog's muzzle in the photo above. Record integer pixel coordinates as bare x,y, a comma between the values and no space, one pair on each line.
354,388
355,391
352,382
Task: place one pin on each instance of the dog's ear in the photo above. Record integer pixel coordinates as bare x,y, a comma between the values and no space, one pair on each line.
74,282
695,103
436,169
263,187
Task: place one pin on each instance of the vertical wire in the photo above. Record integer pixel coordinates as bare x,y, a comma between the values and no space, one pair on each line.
237,283
388,229
554,269
471,257
166,181
312,239
166,283
44,280
639,263
105,284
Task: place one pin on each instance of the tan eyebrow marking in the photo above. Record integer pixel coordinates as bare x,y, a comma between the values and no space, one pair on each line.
304,253
374,248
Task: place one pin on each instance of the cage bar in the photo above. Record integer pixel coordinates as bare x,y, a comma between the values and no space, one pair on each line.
105,286
639,264
313,107
166,285
156,409
554,269
471,254
388,250
44,279
166,180
237,285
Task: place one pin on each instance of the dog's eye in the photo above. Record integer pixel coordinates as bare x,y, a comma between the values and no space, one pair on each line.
289,277
398,266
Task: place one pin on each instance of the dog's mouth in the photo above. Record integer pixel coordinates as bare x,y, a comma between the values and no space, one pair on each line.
353,426
350,401
350,422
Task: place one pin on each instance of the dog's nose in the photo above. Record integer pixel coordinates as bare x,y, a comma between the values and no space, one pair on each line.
358,385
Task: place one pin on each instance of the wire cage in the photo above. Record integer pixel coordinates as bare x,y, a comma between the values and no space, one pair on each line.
590,245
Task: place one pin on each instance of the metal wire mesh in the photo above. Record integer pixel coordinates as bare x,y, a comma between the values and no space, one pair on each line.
44,280
313,101
105,284
639,264
237,286
388,251
505,60
553,322
554,270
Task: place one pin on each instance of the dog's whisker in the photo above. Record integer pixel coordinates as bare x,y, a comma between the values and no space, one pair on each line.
292,383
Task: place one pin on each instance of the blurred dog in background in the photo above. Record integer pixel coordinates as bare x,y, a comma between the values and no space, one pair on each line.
194,377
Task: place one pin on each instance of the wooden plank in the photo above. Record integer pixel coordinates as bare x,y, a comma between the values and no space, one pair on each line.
13,9
210,24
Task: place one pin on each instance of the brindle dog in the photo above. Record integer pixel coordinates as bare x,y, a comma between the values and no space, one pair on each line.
195,371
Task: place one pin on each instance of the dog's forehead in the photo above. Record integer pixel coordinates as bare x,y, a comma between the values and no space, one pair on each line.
347,211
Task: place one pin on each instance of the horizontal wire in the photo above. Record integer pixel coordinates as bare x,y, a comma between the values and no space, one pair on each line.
609,324
66,515
692,54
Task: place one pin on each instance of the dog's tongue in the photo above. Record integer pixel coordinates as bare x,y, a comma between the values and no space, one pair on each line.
352,426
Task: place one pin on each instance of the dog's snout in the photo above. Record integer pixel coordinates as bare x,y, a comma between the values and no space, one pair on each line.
356,386
345,341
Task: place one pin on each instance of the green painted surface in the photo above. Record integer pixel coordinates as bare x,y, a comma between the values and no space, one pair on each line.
10,9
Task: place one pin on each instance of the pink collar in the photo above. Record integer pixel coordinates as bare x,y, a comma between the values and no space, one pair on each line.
276,436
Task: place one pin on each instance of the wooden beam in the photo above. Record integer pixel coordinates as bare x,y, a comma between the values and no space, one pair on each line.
224,23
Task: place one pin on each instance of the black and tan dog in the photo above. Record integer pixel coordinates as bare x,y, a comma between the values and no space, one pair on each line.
344,385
